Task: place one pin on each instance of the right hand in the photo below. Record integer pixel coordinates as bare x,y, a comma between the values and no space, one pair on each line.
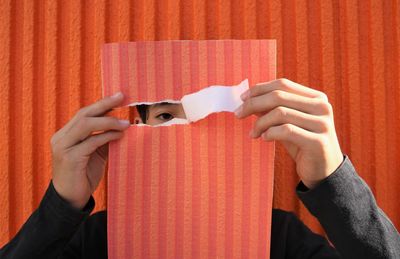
300,118
79,156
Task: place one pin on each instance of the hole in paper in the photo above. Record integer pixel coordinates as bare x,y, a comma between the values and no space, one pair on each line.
192,107
162,113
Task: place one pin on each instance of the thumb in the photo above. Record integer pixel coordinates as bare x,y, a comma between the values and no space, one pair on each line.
291,149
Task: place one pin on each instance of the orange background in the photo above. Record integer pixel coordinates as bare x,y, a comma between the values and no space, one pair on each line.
50,67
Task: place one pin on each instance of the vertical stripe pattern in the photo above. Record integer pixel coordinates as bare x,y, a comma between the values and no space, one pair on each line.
219,210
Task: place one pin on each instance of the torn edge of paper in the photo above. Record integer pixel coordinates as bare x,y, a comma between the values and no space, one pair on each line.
213,99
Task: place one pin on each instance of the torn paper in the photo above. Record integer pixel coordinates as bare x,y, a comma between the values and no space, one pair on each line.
199,189
213,99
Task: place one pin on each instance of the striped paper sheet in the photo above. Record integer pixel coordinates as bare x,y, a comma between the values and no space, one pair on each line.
202,190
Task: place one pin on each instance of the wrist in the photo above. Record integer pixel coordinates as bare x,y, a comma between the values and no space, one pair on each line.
311,184
59,209
78,204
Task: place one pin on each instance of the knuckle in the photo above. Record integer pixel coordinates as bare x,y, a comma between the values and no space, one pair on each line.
82,123
253,91
249,104
105,103
54,150
321,142
266,135
287,129
323,96
324,124
102,105
259,125
326,107
283,81
53,140
82,112
112,122
92,141
329,108
277,96
57,154
280,112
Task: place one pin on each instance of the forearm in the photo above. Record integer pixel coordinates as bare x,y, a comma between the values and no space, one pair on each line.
346,208
47,230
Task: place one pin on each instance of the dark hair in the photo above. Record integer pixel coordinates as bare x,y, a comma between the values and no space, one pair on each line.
142,110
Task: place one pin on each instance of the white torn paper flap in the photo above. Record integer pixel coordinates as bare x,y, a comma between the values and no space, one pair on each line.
216,98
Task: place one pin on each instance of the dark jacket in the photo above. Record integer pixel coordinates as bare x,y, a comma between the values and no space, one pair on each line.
342,203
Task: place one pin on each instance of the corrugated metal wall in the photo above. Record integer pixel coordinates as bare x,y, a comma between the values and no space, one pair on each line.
50,66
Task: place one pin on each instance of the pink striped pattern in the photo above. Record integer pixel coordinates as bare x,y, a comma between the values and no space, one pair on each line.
182,67
202,190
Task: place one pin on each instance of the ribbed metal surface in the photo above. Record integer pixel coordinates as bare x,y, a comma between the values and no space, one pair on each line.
50,66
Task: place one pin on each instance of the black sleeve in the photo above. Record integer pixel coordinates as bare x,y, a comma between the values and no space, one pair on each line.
347,210
48,229
90,241
290,238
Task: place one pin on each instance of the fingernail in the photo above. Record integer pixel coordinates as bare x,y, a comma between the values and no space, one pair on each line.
238,111
264,136
124,122
244,95
117,95
251,134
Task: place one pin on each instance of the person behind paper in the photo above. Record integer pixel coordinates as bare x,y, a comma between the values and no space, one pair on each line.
297,116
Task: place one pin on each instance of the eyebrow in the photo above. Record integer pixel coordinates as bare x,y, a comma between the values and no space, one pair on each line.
163,104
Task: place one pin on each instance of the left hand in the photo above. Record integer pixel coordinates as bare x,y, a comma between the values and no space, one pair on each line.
80,155
300,118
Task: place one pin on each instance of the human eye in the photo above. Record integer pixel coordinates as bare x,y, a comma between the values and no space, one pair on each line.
165,116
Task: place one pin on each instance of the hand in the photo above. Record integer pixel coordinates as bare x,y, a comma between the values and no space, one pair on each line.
300,118
79,156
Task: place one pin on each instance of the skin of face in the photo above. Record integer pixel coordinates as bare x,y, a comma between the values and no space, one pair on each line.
162,112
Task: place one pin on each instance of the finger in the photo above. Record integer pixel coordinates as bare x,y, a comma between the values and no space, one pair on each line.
284,85
94,142
102,106
290,148
290,133
269,101
96,109
282,115
103,151
84,127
